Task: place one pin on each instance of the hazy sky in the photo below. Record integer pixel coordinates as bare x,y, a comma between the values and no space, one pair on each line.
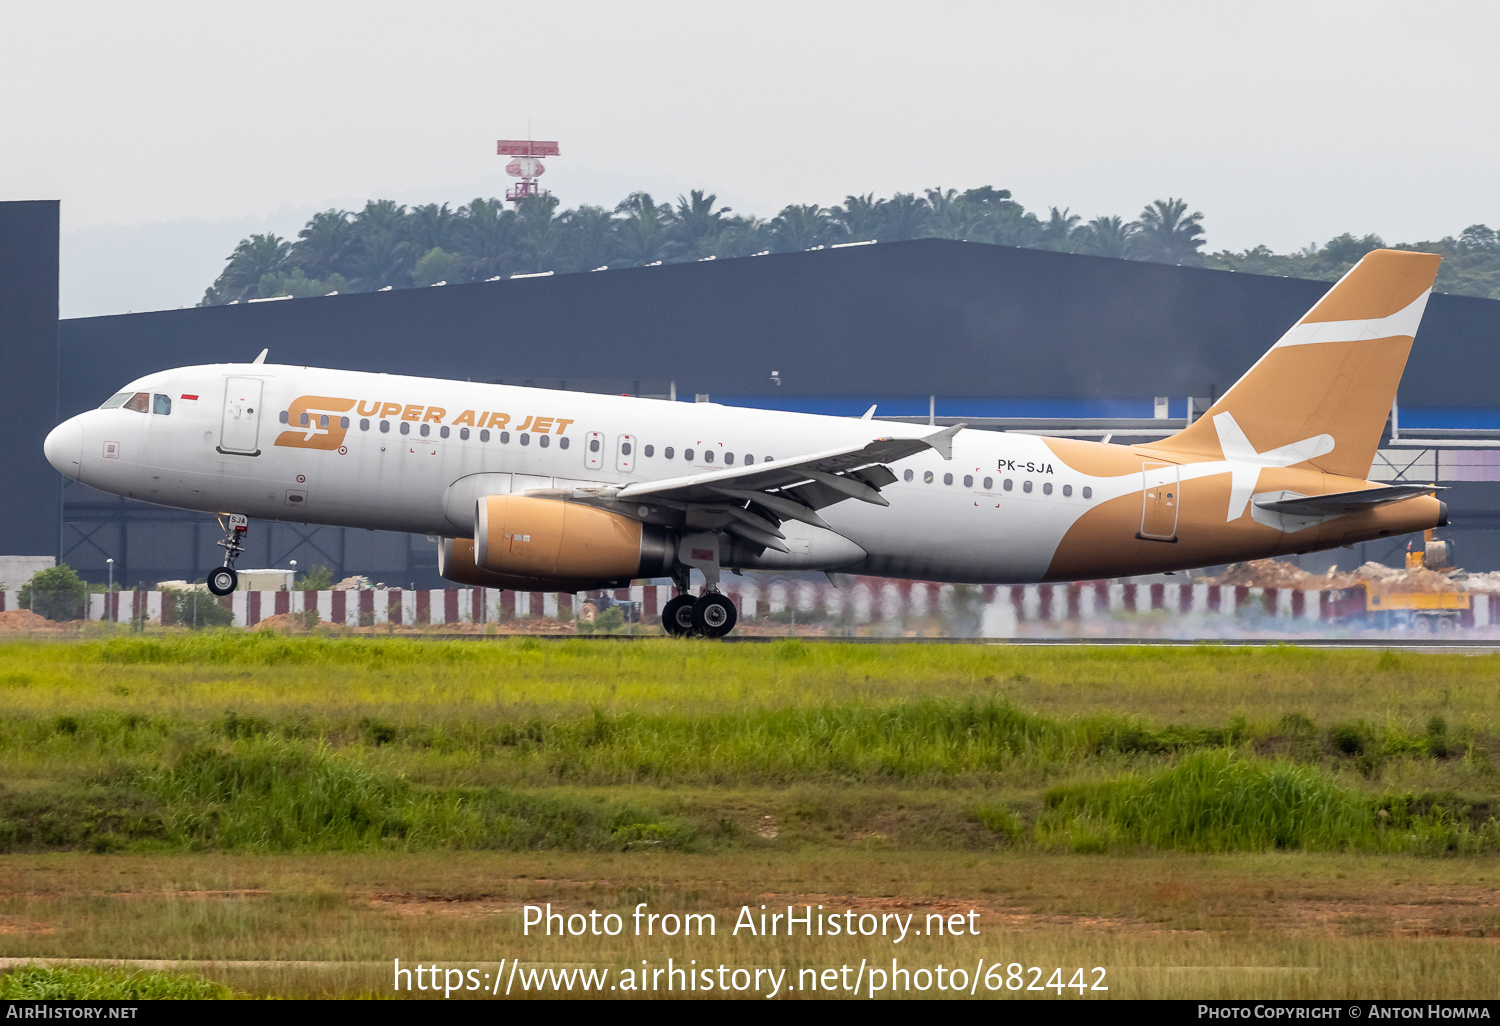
170,130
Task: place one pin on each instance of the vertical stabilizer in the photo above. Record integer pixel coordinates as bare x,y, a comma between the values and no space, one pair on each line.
1324,390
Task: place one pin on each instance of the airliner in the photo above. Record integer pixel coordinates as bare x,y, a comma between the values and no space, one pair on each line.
537,489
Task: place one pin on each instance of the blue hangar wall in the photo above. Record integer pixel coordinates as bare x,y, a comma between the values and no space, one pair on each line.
968,323
30,503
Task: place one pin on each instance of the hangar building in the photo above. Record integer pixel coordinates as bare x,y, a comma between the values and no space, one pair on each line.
998,337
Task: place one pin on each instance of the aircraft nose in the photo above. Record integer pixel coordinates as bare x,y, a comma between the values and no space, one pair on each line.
64,447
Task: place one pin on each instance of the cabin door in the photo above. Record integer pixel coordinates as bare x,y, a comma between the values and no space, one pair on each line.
240,431
1161,493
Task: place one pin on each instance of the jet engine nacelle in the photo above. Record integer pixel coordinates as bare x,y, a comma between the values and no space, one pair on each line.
522,542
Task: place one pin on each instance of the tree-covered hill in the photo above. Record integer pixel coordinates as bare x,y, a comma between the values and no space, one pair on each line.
387,245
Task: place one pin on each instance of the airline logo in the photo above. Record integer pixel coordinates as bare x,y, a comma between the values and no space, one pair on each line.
322,422
316,422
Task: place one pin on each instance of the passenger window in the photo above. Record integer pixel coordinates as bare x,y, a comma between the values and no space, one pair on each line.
687,454
443,431
927,477
1088,493
593,445
908,475
1046,487
1009,484
504,437
989,483
708,455
426,429
463,434
344,423
484,436
117,400
323,422
303,420
525,438
667,452
1025,486
544,440
284,418
968,480
650,451
625,448
767,459
562,443
749,459
1067,490
385,427
406,427
364,423
947,479
729,458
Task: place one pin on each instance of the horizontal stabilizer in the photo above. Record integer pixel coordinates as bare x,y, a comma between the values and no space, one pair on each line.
1346,502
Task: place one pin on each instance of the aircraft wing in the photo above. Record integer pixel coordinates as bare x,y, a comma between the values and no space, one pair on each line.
819,479
1347,502
755,499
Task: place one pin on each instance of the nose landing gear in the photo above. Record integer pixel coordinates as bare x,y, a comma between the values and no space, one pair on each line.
224,580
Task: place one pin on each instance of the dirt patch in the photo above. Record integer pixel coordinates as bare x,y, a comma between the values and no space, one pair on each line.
25,621
280,622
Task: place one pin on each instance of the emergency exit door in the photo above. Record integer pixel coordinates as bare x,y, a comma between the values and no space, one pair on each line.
240,432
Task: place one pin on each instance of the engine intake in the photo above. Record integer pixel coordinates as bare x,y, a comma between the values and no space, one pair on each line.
524,538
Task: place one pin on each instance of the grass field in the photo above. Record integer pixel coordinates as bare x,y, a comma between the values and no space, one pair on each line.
1198,821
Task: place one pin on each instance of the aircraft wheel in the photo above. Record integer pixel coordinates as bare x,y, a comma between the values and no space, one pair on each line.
223,581
677,616
714,615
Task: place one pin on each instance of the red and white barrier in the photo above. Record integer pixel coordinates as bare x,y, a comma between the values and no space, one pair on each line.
999,611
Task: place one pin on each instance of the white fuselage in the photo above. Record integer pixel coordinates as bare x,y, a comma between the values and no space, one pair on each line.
993,513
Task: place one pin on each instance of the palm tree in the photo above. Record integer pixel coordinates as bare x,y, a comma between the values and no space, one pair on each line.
642,231
252,259
802,226
429,227
381,214
694,221
1106,237
486,238
590,237
1167,234
382,259
903,216
1057,231
324,245
541,234
859,217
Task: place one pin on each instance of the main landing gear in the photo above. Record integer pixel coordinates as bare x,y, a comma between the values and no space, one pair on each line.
224,580
710,615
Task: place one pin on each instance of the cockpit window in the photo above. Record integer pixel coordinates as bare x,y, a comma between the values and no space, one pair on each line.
161,403
114,402
140,402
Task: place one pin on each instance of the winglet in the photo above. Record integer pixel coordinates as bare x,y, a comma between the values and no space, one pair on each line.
868,414
261,358
942,440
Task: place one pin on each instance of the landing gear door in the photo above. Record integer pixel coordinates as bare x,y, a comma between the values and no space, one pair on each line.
240,432
1161,501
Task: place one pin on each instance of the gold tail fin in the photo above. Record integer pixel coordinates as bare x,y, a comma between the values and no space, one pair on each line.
1323,392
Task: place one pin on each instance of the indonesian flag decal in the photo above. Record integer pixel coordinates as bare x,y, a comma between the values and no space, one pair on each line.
189,398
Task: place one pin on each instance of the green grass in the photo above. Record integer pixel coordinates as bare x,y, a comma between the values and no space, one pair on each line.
87,983
262,742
